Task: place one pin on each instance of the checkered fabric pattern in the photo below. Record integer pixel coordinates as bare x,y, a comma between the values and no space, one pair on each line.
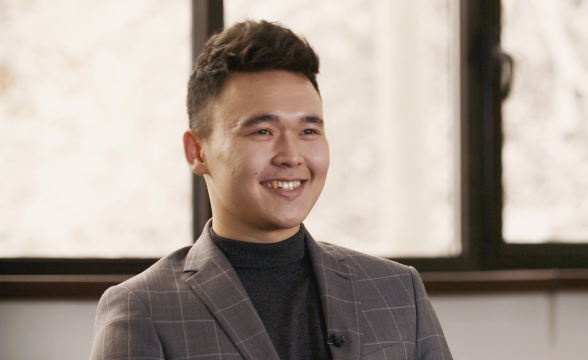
191,305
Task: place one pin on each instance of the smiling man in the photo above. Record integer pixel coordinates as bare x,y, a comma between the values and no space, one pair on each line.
256,285
265,161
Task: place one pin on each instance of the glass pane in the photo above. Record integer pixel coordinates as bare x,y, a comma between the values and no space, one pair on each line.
92,114
387,87
545,122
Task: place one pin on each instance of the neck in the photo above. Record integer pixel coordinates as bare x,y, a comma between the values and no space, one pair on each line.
250,234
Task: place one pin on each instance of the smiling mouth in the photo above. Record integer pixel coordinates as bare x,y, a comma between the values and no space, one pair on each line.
283,185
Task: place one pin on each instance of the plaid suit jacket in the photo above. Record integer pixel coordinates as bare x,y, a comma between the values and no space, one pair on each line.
191,305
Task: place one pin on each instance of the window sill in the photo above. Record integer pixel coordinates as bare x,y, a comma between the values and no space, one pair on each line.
91,287
500,281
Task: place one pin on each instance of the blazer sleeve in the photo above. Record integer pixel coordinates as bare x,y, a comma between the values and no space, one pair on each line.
430,341
123,328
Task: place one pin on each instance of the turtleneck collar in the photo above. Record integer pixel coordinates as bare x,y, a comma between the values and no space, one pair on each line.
242,254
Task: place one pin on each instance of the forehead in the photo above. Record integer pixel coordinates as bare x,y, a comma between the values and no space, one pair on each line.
283,94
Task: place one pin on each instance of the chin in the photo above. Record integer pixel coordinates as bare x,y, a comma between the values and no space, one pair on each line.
288,221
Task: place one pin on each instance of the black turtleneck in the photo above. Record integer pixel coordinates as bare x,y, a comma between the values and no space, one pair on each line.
280,282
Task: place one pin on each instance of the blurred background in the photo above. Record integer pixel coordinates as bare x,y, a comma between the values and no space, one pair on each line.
459,144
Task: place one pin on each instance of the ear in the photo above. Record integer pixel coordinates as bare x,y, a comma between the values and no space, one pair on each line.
193,150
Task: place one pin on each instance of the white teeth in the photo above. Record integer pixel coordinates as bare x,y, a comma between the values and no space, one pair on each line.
284,185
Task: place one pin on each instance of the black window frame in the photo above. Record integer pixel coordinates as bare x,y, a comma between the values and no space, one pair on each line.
485,152
483,249
498,253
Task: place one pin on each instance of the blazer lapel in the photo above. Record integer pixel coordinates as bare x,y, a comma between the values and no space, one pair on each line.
337,282
219,287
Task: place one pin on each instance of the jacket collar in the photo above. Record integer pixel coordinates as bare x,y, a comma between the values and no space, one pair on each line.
338,287
218,286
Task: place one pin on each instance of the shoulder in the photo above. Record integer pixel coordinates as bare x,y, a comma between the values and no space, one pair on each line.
367,263
376,270
165,274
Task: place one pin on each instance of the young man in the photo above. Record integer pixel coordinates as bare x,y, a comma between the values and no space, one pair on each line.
256,285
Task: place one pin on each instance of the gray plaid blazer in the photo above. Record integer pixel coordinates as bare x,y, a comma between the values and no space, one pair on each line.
191,305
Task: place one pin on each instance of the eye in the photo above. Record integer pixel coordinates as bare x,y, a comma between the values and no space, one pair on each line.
309,132
263,132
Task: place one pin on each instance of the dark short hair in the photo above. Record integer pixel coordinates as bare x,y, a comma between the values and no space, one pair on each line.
248,46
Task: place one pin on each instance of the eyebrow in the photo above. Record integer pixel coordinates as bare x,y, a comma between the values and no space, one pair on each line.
314,120
258,119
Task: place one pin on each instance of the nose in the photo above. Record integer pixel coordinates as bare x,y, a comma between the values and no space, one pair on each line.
288,151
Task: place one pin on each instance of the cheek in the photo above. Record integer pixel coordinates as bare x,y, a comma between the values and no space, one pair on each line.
245,165
319,160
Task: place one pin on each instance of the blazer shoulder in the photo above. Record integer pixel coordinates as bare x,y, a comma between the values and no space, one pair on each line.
163,275
368,266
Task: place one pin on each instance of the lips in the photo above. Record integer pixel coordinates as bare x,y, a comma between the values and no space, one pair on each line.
282,184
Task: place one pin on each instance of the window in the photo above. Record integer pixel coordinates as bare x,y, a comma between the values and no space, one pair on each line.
527,215
92,115
469,192
545,122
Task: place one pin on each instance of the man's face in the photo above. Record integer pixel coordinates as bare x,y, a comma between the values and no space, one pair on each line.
267,156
